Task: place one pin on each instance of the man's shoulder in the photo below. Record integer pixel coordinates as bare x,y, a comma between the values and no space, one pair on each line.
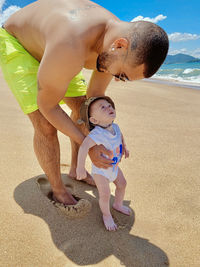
61,36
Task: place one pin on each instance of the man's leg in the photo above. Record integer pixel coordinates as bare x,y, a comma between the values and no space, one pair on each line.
47,150
74,104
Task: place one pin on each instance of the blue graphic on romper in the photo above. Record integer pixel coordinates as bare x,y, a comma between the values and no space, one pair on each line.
117,154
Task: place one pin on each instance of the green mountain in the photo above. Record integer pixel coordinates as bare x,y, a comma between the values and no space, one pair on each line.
180,58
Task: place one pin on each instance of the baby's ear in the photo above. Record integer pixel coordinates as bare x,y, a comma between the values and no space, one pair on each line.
93,120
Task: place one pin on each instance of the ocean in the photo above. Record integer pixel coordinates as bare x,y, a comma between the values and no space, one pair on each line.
186,74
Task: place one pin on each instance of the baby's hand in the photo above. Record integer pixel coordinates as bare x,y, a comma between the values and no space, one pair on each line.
126,153
80,173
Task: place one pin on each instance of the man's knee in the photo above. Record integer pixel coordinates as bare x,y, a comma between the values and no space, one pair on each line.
74,103
47,130
41,125
75,117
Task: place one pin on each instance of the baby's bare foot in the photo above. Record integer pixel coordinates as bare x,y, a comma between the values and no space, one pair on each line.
123,209
109,223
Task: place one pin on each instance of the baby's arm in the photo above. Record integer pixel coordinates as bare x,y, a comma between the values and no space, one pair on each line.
82,154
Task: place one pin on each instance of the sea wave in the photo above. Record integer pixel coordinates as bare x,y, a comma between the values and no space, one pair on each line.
175,78
186,72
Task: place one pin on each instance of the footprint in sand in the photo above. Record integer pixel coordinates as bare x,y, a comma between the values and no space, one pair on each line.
78,210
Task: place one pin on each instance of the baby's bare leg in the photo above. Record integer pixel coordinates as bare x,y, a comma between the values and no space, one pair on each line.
104,201
120,183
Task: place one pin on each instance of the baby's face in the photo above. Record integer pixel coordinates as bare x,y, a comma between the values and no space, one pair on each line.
102,112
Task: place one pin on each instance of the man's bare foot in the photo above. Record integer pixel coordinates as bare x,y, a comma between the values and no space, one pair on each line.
65,198
89,180
109,223
123,209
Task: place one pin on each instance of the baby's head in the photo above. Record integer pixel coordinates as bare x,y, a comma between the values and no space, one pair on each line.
98,111
101,113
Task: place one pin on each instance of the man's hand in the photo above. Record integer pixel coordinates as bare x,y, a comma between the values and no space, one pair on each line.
97,158
81,173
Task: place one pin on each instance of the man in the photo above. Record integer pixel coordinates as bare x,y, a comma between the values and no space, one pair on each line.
66,36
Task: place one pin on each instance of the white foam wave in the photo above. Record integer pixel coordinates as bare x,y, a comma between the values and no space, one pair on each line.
187,71
174,78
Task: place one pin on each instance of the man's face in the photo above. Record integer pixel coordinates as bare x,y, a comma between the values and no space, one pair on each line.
118,66
104,60
102,112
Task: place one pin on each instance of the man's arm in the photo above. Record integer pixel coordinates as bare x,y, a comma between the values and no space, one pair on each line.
56,70
98,83
82,154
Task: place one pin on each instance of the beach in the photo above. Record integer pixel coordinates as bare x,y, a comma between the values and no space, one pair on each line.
161,126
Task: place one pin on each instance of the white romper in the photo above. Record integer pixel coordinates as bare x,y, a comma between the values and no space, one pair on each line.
112,143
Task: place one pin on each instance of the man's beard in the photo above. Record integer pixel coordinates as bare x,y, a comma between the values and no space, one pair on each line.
103,61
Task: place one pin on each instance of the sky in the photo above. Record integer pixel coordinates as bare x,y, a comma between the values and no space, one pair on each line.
179,18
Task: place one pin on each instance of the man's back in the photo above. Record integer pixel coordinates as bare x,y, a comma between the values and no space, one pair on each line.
46,20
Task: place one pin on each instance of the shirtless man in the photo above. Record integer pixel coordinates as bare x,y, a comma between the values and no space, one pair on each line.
64,37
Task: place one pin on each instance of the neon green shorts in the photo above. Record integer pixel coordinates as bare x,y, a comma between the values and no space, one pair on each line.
20,71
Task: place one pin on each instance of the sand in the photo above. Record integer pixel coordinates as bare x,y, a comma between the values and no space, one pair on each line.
161,125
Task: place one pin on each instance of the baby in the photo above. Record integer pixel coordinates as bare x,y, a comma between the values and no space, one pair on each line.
98,113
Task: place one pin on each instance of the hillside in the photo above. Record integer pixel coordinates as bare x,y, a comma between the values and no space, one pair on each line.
180,58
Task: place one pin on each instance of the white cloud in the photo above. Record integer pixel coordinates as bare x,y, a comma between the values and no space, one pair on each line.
154,20
178,51
196,53
179,37
4,15
1,3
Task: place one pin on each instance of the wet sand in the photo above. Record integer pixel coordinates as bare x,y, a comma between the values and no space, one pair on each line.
161,125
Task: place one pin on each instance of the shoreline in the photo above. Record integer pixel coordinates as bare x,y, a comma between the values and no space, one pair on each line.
173,83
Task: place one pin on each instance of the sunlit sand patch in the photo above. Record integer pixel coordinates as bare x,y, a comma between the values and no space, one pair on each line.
90,193
64,167
112,188
78,210
66,109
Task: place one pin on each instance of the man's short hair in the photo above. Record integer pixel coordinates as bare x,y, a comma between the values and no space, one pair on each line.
150,44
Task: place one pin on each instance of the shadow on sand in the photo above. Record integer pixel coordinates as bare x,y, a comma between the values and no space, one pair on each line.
85,240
